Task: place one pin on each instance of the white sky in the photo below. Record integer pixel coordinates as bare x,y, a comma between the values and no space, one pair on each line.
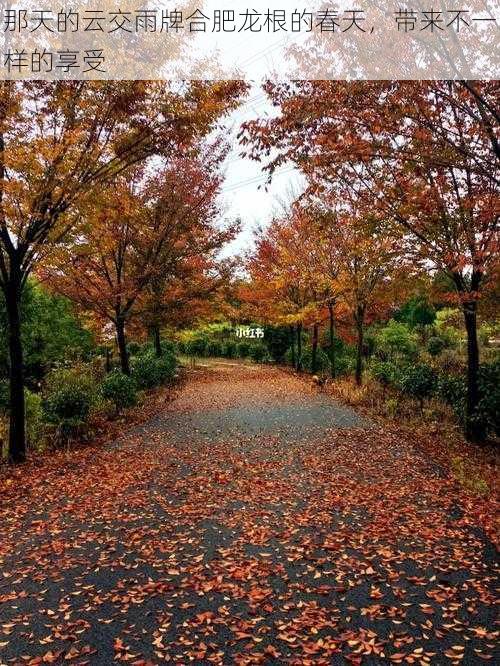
241,194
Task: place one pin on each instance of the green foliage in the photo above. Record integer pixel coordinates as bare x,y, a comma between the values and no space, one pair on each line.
396,340
418,381
243,349
436,345
384,372
277,340
258,352
149,371
215,349
134,348
391,407
468,477
449,326
51,333
196,346
452,389
322,360
229,349
119,389
416,312
68,398
488,410
34,417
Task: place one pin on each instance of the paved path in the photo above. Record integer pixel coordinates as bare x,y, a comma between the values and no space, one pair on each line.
252,522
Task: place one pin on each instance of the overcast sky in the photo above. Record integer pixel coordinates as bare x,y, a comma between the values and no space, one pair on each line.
241,194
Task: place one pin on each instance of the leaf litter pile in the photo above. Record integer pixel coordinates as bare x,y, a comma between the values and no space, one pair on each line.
235,546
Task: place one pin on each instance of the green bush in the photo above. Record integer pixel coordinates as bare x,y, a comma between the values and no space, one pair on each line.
168,347
418,381
214,349
277,340
488,411
243,349
119,389
384,372
258,353
150,371
452,389
34,417
288,356
229,350
181,347
68,397
134,348
396,340
322,360
436,345
196,347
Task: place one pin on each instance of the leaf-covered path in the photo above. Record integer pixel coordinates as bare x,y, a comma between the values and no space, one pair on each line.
252,522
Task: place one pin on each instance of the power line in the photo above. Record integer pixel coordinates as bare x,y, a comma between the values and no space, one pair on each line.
260,179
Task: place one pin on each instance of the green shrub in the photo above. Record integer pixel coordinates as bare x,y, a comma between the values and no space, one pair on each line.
488,411
68,397
384,372
452,389
277,340
181,347
34,417
391,407
133,348
396,340
214,349
150,371
229,350
418,381
146,372
436,345
288,356
120,390
168,347
322,360
243,349
258,353
345,365
196,347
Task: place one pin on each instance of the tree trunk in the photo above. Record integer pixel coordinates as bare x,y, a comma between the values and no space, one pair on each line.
17,427
122,345
299,348
292,347
474,431
332,339
157,341
314,355
108,360
360,327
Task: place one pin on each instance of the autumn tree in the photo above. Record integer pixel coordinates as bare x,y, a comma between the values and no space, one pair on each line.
423,155
281,288
58,141
137,237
